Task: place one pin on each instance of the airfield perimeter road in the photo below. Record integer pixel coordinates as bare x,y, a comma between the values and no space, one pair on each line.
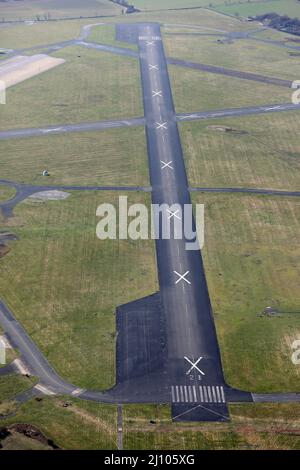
192,346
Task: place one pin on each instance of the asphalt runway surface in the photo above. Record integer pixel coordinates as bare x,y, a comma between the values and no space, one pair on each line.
193,356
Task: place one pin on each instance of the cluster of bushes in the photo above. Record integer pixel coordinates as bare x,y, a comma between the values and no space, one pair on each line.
124,3
282,23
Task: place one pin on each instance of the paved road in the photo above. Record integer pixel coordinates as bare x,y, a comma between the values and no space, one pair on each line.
230,72
107,48
66,128
231,112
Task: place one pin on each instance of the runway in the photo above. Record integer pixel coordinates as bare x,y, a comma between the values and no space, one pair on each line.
193,356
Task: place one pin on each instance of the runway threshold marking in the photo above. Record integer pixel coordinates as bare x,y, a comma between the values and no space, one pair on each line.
194,365
182,277
198,394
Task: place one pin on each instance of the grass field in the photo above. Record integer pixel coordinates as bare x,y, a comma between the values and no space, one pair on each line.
251,257
249,429
80,426
110,157
40,10
259,7
95,427
11,385
64,284
106,34
20,36
89,86
194,90
265,156
245,55
6,192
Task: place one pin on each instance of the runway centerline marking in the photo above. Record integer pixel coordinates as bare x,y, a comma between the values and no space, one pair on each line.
194,365
161,125
182,277
167,165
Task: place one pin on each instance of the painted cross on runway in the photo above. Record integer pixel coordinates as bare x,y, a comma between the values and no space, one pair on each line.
182,277
161,125
156,93
174,214
167,165
194,365
149,43
153,67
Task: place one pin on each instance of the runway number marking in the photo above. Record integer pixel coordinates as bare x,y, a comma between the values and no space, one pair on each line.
167,165
182,277
194,365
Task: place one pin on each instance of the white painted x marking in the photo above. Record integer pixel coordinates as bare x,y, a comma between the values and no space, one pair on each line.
149,43
167,165
194,365
153,67
174,214
156,93
161,125
182,277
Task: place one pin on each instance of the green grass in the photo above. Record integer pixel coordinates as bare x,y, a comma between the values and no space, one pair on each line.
32,9
89,86
12,385
245,55
259,7
266,156
106,34
251,427
82,426
64,284
6,192
251,258
86,425
109,157
20,36
194,90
